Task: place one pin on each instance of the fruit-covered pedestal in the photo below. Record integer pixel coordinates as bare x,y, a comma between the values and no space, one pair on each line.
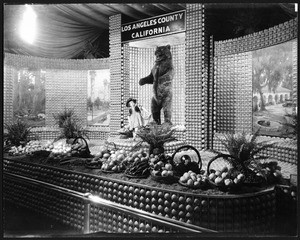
249,211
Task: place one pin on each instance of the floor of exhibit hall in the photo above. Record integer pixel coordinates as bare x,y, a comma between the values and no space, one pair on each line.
22,222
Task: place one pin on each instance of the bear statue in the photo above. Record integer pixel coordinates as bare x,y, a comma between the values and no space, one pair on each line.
161,77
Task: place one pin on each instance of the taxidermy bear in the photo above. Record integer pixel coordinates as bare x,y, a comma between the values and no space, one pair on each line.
161,77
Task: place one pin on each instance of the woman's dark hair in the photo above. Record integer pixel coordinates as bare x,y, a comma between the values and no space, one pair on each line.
137,109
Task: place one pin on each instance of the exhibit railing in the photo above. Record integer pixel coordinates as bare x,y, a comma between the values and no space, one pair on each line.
90,199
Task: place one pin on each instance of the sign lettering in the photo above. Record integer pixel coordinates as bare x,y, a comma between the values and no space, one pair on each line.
164,24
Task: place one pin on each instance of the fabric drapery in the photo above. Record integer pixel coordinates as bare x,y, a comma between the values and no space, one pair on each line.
65,30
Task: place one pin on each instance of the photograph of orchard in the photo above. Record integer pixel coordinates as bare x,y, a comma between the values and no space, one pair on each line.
98,97
273,106
29,96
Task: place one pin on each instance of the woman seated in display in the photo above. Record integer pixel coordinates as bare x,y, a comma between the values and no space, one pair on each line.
135,119
138,117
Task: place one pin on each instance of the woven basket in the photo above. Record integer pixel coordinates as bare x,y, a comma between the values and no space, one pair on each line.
84,154
180,169
222,187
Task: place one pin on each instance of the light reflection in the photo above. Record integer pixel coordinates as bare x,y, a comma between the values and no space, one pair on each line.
28,25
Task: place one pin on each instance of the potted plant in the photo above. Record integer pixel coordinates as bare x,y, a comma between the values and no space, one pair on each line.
156,135
16,133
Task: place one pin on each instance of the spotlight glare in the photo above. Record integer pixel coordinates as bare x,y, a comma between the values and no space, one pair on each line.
28,25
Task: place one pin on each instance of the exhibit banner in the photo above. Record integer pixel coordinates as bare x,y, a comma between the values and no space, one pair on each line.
155,26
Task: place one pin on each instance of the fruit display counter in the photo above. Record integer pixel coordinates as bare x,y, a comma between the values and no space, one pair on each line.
248,212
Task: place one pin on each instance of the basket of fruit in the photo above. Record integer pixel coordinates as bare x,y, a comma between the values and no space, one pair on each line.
192,180
80,148
226,179
161,169
114,163
186,158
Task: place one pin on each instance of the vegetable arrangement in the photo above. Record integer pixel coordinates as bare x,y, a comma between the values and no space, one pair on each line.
137,164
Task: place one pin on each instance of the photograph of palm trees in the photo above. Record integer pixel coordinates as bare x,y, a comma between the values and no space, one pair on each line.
272,84
98,97
29,96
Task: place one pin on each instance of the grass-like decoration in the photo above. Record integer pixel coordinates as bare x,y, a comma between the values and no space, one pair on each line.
16,133
156,135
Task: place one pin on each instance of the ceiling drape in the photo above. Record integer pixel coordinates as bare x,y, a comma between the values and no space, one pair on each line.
69,30
62,31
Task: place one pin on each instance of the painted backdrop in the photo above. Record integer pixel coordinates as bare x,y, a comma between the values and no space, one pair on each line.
272,90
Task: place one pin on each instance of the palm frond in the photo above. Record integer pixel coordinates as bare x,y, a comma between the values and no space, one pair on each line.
155,134
243,150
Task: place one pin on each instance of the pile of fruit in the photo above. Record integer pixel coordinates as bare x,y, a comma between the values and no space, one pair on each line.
30,148
161,165
139,155
226,178
16,151
193,180
268,171
114,163
60,151
137,163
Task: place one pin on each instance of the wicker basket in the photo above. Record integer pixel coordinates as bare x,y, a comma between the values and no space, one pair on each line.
84,154
222,187
180,168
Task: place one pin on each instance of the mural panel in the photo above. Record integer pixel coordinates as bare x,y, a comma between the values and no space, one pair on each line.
272,83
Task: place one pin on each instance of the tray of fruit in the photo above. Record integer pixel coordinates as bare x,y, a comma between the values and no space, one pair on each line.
161,169
192,180
114,163
226,179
